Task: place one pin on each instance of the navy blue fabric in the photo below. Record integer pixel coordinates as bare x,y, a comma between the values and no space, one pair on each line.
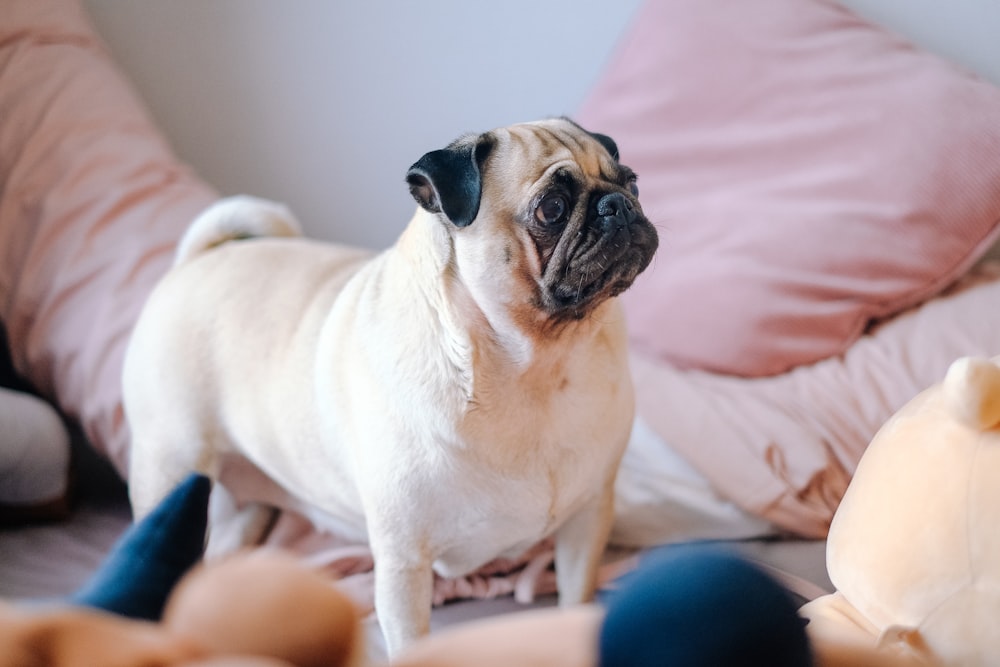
692,606
152,555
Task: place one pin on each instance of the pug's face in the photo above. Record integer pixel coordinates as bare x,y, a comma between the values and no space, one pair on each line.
543,216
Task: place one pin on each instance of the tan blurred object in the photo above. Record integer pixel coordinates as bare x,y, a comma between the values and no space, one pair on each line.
265,603
73,637
556,637
913,549
254,610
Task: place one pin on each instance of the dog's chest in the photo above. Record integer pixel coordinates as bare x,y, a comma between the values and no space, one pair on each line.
491,516
530,462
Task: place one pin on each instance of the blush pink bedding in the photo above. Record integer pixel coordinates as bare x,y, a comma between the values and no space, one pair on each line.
91,205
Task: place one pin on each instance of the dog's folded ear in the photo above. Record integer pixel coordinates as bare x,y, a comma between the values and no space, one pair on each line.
449,180
609,144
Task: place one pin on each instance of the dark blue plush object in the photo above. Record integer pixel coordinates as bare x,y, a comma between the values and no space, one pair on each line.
153,554
695,606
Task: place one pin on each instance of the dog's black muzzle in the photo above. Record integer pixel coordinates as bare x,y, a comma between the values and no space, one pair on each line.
615,212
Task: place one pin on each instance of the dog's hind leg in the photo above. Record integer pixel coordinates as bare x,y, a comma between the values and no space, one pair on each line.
154,473
233,526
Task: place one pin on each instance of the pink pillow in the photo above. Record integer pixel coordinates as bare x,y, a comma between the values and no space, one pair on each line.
92,202
808,172
785,447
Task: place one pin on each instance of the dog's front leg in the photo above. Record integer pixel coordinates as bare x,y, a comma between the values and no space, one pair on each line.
580,544
403,596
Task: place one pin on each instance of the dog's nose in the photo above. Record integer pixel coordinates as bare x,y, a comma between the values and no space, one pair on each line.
613,204
615,210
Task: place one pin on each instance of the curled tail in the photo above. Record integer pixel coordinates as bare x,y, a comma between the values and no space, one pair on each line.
239,217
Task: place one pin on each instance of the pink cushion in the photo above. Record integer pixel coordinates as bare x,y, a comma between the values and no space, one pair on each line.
92,202
808,172
785,447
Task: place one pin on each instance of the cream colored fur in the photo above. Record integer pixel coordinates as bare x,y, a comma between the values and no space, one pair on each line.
394,396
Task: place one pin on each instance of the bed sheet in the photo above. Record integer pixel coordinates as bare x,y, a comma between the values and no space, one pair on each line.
46,561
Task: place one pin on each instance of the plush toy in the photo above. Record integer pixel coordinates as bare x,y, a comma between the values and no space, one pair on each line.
153,604
914,548
684,606
688,606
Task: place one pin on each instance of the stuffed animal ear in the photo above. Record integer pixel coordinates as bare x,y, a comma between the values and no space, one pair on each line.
972,389
449,180
144,565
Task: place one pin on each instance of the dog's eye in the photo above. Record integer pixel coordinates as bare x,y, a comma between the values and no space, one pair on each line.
551,210
633,187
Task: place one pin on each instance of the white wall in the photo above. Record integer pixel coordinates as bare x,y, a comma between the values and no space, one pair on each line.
965,31
324,104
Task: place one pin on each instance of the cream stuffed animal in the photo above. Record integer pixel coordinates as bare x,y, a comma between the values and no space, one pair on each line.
914,548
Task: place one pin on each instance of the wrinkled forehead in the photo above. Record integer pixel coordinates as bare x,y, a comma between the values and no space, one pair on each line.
532,150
